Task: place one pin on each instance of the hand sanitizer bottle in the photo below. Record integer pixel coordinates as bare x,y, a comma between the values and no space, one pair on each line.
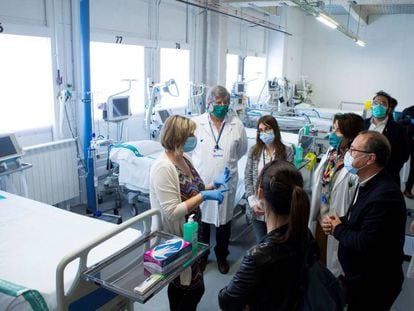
190,229
298,156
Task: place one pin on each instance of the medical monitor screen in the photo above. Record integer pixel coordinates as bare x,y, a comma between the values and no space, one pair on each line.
8,148
240,88
118,108
164,114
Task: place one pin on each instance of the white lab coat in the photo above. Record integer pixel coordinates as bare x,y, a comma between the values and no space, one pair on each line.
342,193
233,142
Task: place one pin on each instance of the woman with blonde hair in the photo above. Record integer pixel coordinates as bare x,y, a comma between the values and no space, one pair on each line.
177,190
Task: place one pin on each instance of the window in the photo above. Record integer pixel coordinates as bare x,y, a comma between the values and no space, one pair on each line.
254,76
175,64
232,70
26,81
111,65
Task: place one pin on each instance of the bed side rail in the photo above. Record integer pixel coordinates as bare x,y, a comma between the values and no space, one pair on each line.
63,299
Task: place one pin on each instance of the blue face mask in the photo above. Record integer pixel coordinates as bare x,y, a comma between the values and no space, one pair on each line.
267,137
348,159
379,111
190,144
334,140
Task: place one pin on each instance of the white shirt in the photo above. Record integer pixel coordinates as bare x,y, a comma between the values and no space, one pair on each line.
378,127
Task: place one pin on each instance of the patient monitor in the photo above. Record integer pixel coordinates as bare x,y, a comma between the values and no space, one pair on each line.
9,148
118,108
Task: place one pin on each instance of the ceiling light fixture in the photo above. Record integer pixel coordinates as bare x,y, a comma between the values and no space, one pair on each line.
324,19
360,42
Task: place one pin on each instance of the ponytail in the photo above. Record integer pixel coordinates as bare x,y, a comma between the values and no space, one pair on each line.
299,216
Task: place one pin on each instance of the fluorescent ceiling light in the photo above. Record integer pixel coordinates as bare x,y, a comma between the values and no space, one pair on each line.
360,42
327,21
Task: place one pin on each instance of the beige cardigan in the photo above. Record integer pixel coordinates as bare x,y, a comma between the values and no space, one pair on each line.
165,195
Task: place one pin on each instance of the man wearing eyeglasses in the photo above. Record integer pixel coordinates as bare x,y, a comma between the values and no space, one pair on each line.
382,122
371,234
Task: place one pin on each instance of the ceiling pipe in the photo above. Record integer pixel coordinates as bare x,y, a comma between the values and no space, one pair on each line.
217,8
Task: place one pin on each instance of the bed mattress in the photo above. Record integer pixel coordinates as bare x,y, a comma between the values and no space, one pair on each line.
36,236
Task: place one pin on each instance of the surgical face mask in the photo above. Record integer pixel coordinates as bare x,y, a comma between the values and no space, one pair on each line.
334,140
190,144
267,137
348,159
379,111
219,111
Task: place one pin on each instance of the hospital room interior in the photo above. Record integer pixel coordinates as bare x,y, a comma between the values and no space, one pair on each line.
134,127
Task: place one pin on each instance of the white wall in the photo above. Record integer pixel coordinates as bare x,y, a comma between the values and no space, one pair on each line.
342,71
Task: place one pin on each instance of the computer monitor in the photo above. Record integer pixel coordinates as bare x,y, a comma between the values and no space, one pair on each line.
9,148
118,108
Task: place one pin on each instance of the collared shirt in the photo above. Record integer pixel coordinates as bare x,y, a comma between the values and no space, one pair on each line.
378,127
362,184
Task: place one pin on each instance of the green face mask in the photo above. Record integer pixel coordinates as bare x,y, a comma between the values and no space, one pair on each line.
219,111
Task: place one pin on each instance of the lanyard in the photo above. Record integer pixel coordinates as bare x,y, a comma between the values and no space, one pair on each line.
216,147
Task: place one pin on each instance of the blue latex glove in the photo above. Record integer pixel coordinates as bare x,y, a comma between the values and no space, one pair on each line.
215,195
412,121
223,179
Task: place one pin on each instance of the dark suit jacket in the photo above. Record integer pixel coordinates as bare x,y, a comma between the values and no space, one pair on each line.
371,239
400,152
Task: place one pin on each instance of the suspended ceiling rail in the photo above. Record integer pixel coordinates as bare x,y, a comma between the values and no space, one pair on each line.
217,8
315,11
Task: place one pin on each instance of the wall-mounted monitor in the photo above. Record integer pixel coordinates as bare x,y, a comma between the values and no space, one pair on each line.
118,108
9,148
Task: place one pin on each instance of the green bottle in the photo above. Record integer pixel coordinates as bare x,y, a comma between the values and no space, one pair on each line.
190,229
298,156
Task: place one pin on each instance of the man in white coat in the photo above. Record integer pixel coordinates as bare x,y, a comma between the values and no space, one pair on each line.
222,141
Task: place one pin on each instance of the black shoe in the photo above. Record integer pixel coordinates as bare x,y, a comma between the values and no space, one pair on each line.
223,266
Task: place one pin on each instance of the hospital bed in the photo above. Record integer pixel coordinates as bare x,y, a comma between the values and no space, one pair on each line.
44,249
135,159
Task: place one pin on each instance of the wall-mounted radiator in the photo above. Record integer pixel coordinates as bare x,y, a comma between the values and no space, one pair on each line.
54,175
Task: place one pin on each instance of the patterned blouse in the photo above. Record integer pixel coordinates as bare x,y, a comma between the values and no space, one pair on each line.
333,165
189,187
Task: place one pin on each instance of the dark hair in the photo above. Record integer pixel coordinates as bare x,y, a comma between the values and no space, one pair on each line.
280,148
393,104
378,144
282,186
384,94
350,124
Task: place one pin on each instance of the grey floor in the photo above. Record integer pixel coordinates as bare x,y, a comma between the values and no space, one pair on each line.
242,239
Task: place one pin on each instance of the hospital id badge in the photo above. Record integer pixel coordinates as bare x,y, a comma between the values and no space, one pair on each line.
218,153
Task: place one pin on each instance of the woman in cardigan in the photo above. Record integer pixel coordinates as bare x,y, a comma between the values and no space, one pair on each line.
177,190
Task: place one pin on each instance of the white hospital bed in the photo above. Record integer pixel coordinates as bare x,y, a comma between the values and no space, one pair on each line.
135,159
45,248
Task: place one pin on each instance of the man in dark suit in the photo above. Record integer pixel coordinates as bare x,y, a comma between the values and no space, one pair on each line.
381,122
407,121
371,234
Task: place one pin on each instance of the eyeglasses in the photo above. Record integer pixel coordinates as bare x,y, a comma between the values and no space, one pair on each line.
351,150
375,103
